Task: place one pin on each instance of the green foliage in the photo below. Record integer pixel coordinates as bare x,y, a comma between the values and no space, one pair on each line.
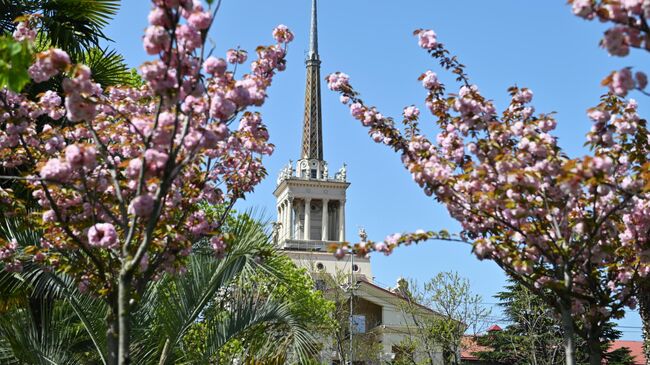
205,316
457,310
72,25
75,26
15,59
535,334
107,67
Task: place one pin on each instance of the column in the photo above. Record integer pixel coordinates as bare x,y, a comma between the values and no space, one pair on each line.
307,219
284,219
290,226
341,220
324,224
281,221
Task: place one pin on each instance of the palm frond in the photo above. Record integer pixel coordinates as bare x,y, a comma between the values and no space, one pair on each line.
107,66
12,9
284,340
76,25
42,334
36,285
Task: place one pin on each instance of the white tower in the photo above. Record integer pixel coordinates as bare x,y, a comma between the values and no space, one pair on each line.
310,203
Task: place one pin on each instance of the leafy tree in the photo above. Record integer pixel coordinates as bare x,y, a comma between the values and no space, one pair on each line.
534,336
365,346
458,310
75,26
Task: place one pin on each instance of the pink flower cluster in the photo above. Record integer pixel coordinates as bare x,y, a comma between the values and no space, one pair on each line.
24,32
8,256
48,64
103,235
218,245
138,157
621,82
236,56
514,191
629,30
282,34
338,81
427,39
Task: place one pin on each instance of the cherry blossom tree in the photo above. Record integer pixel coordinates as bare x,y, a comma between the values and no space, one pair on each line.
118,174
572,230
629,30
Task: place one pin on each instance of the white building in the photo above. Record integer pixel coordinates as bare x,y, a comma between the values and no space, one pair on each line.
311,217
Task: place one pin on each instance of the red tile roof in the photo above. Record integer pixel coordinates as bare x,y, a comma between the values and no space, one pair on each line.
635,347
468,347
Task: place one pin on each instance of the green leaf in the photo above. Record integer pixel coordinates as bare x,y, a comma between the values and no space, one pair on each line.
15,59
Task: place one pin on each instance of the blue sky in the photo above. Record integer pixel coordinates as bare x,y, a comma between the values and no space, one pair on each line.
537,44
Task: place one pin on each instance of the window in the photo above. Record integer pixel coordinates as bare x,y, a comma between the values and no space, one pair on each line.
359,323
313,173
320,285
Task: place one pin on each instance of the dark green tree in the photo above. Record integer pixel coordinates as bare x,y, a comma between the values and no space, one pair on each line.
535,335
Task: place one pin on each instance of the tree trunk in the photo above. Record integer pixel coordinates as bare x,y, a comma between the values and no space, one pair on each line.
644,311
112,333
595,350
124,312
569,334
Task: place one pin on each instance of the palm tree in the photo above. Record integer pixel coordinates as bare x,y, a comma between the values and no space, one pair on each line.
75,26
213,299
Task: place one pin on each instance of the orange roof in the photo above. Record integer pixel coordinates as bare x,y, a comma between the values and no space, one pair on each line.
635,347
468,347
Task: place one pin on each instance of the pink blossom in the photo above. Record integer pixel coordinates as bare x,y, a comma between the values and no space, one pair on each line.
81,156
141,206
222,108
583,8
236,56
430,80
103,235
218,245
188,38
633,6
622,82
48,64
200,20
411,112
24,32
641,79
156,39
282,34
616,41
159,17
56,170
337,81
215,66
155,160
599,116
427,39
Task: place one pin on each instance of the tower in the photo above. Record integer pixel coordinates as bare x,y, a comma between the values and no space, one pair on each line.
311,203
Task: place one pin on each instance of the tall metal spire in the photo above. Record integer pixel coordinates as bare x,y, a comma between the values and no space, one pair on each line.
313,35
312,134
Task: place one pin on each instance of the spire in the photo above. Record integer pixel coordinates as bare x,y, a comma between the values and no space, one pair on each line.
313,34
312,135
